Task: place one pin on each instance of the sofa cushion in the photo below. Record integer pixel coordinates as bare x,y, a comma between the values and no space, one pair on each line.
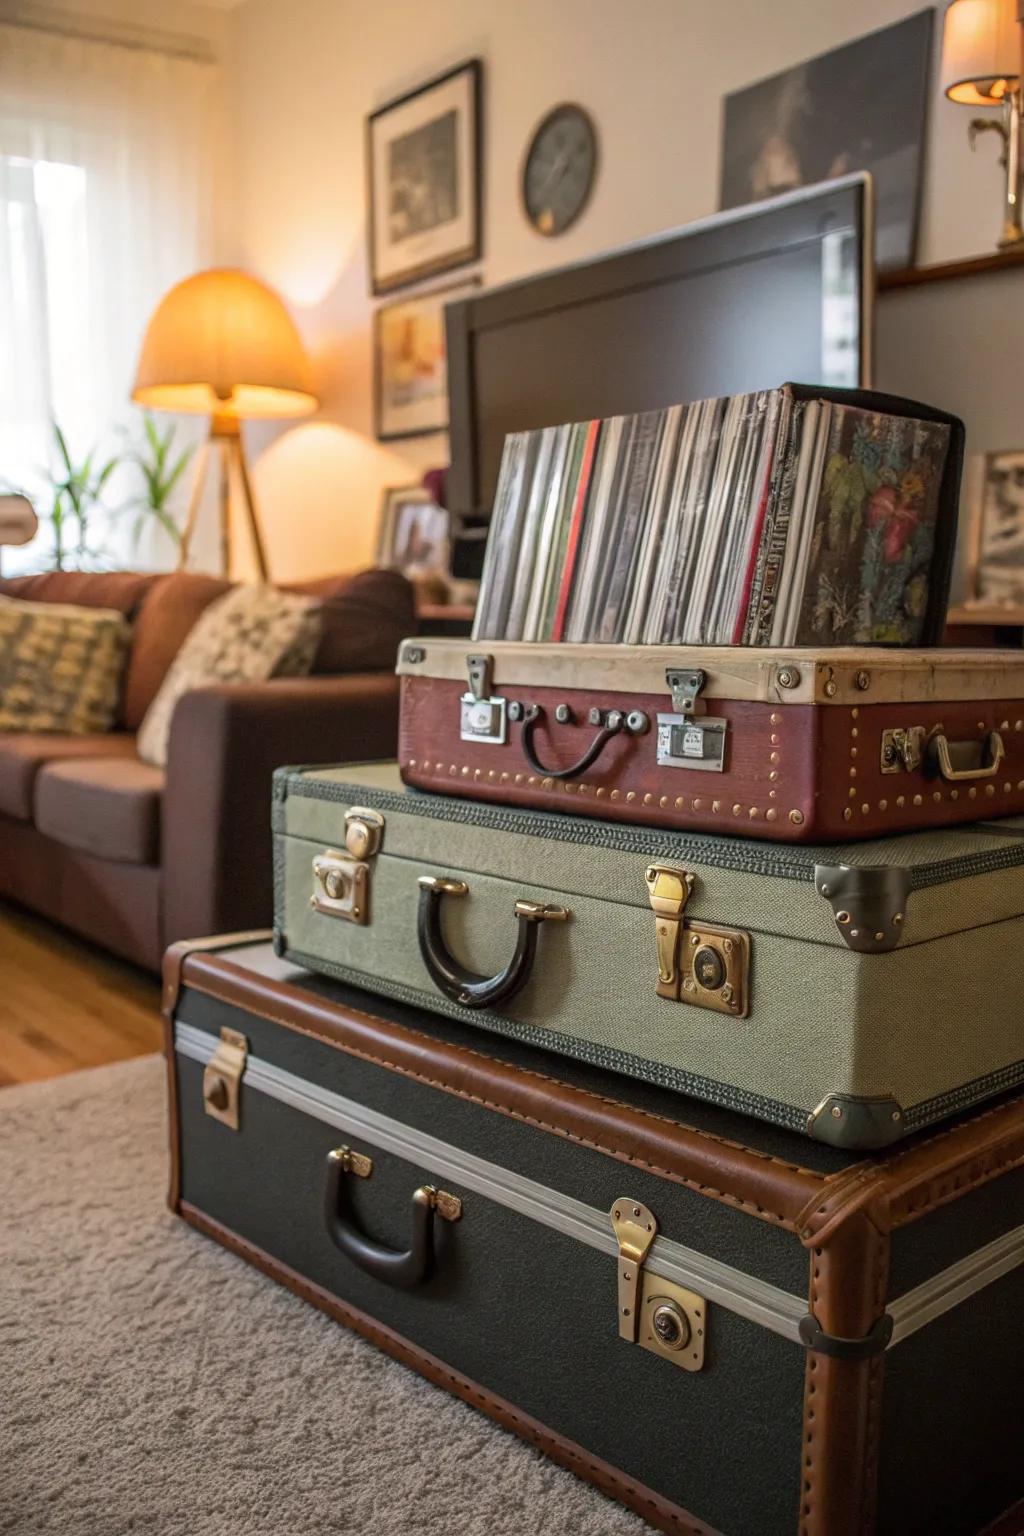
22,756
123,590
165,619
109,807
366,616
249,635
61,667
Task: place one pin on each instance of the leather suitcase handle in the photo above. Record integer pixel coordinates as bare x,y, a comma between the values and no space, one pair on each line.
612,726
942,752
456,981
403,1268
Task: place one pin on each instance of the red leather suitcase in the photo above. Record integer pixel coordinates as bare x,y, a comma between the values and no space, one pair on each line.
797,746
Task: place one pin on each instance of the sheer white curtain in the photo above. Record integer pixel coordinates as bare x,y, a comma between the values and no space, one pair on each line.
108,195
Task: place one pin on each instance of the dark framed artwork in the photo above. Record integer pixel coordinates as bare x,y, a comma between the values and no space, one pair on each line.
862,107
414,533
423,173
410,373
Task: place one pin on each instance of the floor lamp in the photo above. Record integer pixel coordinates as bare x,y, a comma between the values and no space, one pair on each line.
222,345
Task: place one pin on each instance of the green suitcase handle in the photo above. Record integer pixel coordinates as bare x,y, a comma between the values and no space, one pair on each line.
404,1268
463,986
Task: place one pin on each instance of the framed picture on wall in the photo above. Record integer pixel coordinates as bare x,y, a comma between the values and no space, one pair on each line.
423,159
410,376
996,568
861,107
414,533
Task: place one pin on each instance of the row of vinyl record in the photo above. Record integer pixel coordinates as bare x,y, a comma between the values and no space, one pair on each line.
774,518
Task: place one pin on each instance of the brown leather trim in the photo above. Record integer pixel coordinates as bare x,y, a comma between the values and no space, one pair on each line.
842,1398
656,1510
765,1187
904,1186
176,954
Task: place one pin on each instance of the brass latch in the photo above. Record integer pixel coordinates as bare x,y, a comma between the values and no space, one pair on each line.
902,749
655,1313
342,880
222,1077
700,963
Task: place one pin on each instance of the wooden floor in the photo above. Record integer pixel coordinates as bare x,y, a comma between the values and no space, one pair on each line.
65,1004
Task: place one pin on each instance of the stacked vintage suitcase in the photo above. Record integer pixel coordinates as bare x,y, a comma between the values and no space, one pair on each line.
620,1183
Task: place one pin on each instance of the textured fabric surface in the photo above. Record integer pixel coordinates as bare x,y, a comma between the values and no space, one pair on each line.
823,1019
60,666
154,1383
110,808
165,619
250,634
23,754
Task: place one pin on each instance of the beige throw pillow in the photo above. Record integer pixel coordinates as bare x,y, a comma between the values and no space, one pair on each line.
61,666
248,635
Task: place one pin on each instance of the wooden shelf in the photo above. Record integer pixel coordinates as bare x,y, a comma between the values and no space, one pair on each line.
947,271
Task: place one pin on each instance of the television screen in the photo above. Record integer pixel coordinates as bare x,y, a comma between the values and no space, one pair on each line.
745,300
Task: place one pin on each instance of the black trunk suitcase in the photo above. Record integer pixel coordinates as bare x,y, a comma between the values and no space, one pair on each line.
727,1327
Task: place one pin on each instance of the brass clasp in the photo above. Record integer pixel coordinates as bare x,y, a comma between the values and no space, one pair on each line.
222,1077
668,889
655,1313
342,880
698,962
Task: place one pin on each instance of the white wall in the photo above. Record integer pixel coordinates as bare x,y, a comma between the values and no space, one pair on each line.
305,73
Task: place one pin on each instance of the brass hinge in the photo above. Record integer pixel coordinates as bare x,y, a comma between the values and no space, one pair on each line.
222,1077
657,1314
700,963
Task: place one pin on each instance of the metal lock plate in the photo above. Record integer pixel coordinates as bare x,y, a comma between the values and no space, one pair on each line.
673,1322
222,1078
688,742
341,886
714,964
657,1314
902,749
483,720
700,963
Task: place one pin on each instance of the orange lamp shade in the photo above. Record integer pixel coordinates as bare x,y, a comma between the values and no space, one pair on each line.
981,51
222,344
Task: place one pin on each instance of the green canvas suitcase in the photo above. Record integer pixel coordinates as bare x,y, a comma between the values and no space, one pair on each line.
855,992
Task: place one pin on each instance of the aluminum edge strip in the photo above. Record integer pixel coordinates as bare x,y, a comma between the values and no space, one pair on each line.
756,1300
748,1297
951,1286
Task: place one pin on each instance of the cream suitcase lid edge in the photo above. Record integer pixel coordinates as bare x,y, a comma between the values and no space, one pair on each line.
846,676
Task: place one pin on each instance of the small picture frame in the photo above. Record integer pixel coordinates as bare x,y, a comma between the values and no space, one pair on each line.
415,534
410,374
996,572
423,167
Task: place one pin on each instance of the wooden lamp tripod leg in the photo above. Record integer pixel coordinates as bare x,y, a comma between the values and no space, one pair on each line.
194,500
259,547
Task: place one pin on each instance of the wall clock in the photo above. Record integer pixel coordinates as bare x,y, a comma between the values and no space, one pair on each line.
559,169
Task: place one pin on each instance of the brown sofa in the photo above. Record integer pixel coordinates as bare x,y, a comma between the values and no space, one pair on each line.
135,857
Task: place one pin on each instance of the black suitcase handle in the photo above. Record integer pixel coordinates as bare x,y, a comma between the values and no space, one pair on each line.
464,986
405,1269
611,726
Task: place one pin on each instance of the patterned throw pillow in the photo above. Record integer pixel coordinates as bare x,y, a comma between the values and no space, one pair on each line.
248,635
60,666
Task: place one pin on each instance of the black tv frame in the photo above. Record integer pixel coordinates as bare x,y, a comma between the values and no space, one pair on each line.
725,239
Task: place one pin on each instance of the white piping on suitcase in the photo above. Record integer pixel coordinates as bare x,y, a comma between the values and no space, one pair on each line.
757,1300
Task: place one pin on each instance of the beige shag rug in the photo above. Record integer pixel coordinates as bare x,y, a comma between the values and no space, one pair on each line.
152,1383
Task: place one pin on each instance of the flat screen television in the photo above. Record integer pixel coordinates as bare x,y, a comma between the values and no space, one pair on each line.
748,299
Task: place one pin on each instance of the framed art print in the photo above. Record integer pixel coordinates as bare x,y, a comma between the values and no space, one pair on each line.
423,159
409,365
861,107
413,536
